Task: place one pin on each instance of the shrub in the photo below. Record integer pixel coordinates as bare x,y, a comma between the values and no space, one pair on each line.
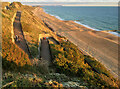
12,55
69,60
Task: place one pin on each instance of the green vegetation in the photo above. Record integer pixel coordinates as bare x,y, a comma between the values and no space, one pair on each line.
69,60
32,26
28,80
98,66
10,51
16,63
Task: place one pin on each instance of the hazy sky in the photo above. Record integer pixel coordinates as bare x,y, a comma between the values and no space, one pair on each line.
62,0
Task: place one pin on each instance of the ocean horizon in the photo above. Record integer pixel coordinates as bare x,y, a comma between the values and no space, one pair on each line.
99,18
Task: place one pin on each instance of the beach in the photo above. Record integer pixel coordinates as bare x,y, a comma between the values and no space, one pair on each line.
99,44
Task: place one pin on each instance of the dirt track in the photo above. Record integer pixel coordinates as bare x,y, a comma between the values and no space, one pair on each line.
18,31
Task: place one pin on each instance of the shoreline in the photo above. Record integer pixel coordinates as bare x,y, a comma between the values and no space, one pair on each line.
114,34
85,26
108,31
103,46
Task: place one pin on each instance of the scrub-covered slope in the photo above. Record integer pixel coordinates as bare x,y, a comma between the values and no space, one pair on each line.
67,68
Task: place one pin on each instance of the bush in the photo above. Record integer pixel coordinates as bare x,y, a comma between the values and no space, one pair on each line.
12,55
98,66
69,60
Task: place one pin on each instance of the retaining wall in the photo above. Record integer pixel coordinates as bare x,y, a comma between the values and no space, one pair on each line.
39,48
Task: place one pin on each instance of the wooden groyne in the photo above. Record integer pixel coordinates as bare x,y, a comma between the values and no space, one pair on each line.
48,26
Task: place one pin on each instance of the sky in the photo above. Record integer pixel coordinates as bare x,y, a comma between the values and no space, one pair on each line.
62,0
68,2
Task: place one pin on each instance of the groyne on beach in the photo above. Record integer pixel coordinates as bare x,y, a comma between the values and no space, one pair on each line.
99,44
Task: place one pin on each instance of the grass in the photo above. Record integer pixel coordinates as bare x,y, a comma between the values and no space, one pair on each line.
26,80
32,27
70,61
67,58
14,59
10,51
98,66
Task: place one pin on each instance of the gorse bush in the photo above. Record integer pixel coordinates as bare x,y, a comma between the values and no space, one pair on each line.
69,60
98,66
66,56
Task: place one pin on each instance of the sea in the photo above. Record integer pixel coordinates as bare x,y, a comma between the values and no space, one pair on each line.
94,17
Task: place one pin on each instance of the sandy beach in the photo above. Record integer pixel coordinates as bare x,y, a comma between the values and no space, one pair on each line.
99,44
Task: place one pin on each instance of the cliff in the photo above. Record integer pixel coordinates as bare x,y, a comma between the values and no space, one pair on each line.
67,67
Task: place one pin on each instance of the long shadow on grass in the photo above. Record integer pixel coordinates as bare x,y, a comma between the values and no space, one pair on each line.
12,66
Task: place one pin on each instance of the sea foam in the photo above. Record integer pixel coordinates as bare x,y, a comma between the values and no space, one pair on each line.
114,33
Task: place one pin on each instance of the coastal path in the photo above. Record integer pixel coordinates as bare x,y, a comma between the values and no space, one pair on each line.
45,51
19,33
101,45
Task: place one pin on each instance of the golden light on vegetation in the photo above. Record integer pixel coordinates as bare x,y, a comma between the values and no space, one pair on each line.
67,61
10,51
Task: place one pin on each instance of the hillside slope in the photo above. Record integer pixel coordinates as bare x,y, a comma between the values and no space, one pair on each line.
67,69
18,70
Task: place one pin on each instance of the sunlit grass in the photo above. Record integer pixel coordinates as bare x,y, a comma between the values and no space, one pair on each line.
69,60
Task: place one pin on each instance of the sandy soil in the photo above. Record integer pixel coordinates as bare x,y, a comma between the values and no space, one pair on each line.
101,45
